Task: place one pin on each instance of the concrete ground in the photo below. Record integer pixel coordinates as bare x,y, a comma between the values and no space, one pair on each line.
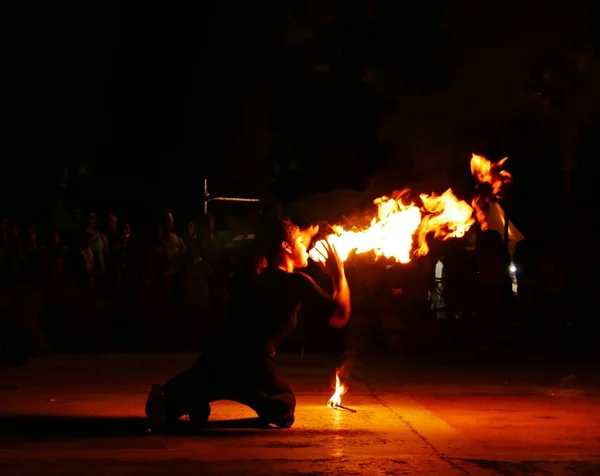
74,415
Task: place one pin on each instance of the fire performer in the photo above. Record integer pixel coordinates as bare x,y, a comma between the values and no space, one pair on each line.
238,364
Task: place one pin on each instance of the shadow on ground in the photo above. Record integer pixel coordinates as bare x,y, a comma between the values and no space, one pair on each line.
39,428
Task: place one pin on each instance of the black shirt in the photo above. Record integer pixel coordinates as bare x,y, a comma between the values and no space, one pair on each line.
264,309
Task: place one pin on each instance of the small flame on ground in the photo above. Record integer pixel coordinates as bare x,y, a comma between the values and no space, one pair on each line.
340,389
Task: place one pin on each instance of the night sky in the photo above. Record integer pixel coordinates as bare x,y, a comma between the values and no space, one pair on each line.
297,97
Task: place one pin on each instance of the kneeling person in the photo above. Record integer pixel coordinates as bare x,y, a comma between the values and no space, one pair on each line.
238,364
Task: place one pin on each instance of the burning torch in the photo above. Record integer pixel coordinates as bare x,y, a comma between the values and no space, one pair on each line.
335,401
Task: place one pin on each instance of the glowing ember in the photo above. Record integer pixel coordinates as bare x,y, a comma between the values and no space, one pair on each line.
393,231
340,389
490,173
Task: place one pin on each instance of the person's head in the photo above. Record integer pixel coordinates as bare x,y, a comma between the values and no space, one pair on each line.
190,228
167,224
284,245
210,222
54,239
206,227
112,220
31,235
127,229
91,220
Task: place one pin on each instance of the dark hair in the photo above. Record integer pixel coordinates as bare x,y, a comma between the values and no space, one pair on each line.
165,221
272,233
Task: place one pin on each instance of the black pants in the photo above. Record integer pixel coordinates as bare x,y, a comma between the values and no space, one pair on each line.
247,379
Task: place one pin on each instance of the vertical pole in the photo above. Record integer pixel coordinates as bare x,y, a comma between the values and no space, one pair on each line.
506,230
508,296
205,197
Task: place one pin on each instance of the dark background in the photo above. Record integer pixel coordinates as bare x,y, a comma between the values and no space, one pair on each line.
138,102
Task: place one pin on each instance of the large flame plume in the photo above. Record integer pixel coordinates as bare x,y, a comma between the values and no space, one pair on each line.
400,228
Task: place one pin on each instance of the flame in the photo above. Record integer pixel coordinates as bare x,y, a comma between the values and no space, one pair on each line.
340,389
397,225
491,173
446,217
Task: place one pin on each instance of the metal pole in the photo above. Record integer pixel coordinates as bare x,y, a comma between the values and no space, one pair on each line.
233,199
506,230
205,197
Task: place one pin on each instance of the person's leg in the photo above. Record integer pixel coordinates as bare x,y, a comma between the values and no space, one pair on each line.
270,397
254,383
184,393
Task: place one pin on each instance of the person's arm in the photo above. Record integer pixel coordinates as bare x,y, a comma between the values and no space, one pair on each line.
340,299
342,311
105,242
335,266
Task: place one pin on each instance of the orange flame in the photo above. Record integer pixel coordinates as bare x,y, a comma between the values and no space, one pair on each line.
446,217
340,389
393,231
492,174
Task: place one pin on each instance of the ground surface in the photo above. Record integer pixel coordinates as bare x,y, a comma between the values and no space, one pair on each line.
73,415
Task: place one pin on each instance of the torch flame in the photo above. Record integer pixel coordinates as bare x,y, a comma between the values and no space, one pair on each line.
340,389
491,173
446,217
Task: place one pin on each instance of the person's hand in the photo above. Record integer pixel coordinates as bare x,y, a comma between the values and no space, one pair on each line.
331,259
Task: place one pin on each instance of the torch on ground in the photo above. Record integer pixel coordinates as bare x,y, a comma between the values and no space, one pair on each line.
335,401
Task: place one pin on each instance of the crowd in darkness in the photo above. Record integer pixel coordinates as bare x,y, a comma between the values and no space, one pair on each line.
160,285
107,284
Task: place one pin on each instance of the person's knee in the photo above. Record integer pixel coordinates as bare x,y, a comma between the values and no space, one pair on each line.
279,410
285,388
279,386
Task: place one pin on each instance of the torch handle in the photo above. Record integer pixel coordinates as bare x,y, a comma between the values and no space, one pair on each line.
345,408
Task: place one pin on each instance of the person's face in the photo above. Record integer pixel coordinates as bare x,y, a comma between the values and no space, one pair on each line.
91,219
191,228
127,229
296,251
112,220
308,234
